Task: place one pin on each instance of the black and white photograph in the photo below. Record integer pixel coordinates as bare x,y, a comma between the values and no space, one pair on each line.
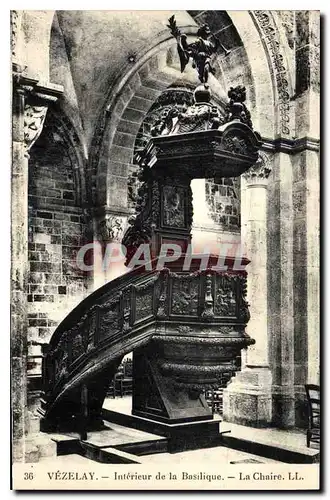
165,248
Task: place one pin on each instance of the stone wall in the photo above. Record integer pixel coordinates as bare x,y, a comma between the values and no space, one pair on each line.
223,198
57,229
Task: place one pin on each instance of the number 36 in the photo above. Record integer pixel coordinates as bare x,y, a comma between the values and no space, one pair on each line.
28,475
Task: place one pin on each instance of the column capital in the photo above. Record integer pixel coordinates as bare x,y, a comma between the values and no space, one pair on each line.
34,89
258,174
111,227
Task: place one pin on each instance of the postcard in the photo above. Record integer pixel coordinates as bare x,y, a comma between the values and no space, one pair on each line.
165,250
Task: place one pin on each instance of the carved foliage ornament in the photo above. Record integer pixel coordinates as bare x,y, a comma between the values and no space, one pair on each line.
143,304
235,144
34,117
15,20
272,39
111,228
139,230
175,96
260,170
203,115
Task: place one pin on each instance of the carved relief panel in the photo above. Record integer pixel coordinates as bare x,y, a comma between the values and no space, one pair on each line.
143,303
88,334
126,311
225,296
77,348
173,201
185,295
15,21
109,319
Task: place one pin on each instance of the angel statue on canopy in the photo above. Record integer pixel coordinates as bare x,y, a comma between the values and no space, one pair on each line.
200,51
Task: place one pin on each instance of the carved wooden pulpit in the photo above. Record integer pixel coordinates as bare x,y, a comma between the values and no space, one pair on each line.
184,321
201,323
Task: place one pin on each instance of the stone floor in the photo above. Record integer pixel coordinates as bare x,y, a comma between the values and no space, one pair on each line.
293,439
66,461
289,439
217,455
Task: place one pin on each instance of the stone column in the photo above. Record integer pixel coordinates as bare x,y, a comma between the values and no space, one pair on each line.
313,264
247,399
30,102
19,242
281,290
306,226
306,204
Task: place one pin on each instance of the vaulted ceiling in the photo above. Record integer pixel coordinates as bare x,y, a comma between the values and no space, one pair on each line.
89,50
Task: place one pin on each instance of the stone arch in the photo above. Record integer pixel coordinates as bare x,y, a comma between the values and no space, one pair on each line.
275,48
139,95
76,152
257,59
133,104
155,77
59,130
145,81
112,148
264,53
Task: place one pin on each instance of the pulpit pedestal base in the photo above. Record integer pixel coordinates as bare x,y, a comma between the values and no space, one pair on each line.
181,437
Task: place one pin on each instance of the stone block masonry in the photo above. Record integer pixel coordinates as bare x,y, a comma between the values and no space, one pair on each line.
223,199
57,229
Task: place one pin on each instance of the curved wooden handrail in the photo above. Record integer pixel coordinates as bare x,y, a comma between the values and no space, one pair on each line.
124,315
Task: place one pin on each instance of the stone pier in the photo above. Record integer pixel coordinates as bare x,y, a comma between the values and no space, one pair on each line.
247,399
30,104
